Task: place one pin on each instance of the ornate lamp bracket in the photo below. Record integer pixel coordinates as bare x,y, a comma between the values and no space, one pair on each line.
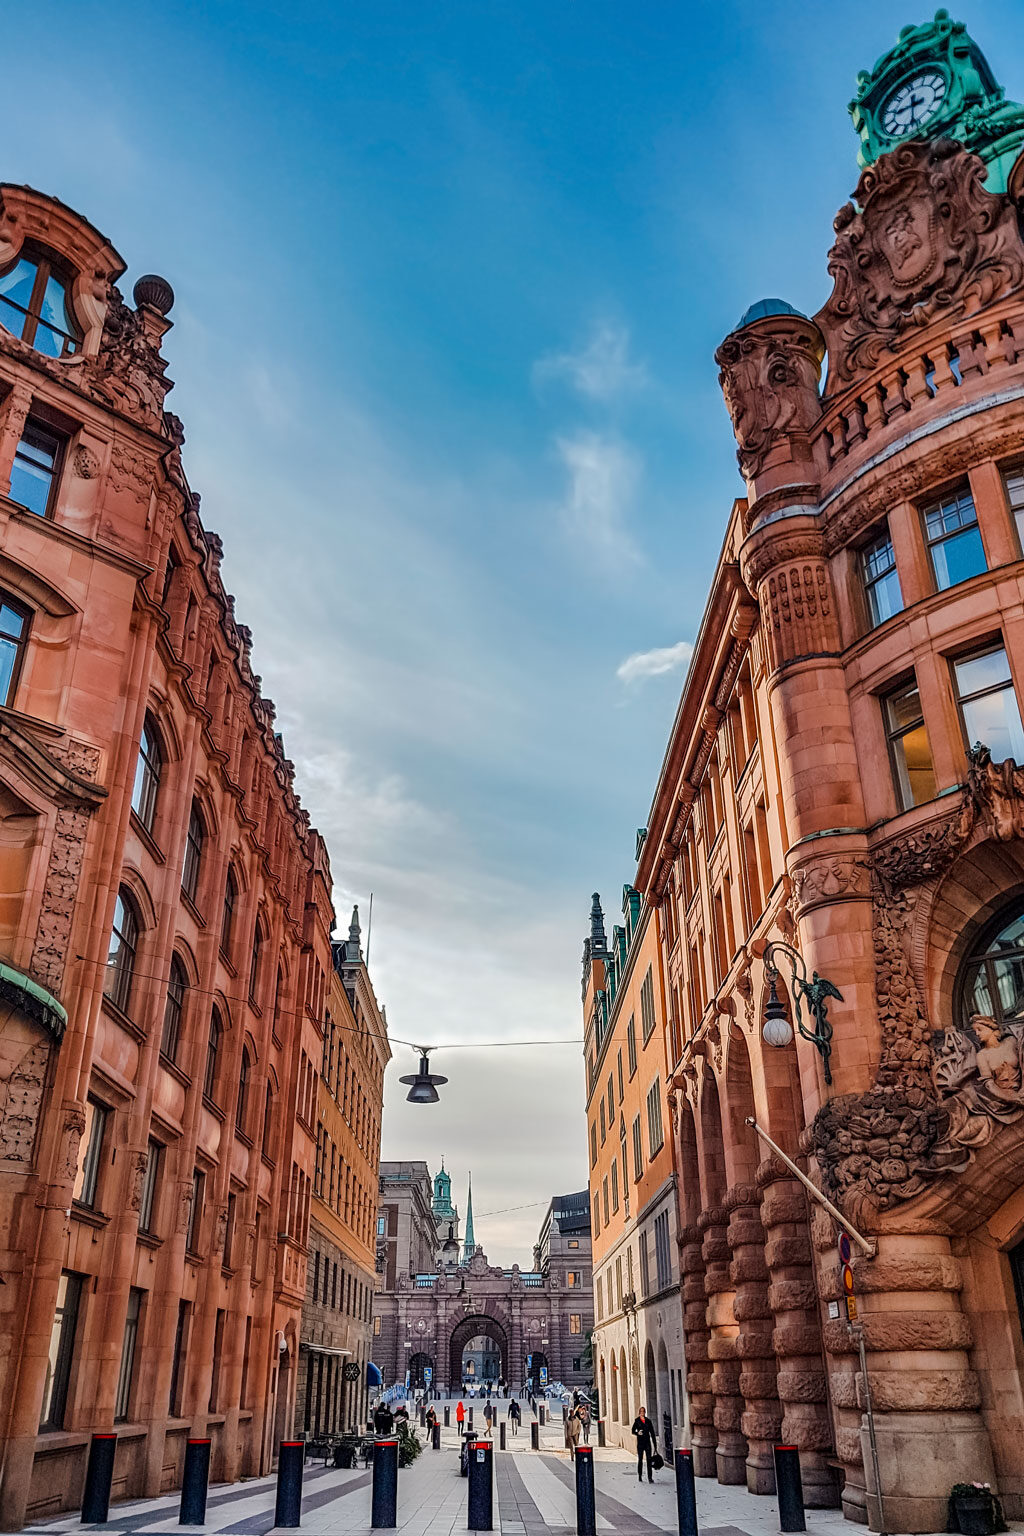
814,993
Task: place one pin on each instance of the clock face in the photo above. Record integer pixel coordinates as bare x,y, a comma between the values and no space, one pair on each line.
913,104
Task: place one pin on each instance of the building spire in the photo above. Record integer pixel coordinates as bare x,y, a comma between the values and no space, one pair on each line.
469,1246
355,933
598,937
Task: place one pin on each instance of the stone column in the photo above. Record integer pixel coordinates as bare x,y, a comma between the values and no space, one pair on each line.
696,1338
762,1415
731,1449
797,1335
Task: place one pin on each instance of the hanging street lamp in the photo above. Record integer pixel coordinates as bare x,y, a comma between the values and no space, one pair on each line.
775,1026
423,1083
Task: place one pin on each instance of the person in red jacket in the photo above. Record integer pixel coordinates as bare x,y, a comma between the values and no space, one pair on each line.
460,1414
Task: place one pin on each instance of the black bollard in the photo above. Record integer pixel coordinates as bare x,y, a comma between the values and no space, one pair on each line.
541,1414
481,1486
447,1416
384,1505
565,1413
436,1436
535,1436
291,1455
469,1421
194,1483
600,1432
501,1435
98,1476
790,1488
686,1494
586,1513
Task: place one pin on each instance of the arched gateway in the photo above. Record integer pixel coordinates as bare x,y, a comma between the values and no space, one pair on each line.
476,1325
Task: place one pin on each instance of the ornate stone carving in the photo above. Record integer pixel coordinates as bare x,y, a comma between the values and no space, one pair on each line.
60,893
928,239
842,878
81,757
769,377
136,1176
130,472
128,370
71,1139
24,1058
85,463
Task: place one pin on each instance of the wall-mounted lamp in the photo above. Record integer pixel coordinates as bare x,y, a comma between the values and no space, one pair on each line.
775,1026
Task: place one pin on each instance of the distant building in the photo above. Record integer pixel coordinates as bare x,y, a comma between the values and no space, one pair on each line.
453,1319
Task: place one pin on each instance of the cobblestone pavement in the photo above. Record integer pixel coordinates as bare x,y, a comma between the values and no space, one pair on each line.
534,1496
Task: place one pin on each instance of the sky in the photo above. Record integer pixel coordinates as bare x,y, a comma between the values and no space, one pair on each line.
449,279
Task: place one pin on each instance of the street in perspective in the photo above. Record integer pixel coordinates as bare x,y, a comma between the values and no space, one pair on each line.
512,949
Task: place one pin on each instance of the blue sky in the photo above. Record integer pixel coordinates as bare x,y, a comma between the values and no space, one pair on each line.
449,280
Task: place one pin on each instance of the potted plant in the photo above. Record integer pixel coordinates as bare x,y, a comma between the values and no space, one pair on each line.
409,1445
974,1510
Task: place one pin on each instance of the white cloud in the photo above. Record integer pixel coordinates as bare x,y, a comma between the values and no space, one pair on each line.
603,478
666,658
601,370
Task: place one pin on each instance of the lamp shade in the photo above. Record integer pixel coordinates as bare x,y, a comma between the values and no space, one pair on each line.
775,1026
423,1083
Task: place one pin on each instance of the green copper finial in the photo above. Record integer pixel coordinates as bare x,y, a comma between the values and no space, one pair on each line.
937,83
469,1246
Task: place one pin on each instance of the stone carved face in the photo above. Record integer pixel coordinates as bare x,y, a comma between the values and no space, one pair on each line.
770,384
905,240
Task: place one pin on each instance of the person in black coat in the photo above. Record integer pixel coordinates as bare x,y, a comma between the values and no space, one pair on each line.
383,1420
643,1429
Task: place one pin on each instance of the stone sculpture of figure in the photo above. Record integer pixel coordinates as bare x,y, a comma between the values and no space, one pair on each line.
979,1073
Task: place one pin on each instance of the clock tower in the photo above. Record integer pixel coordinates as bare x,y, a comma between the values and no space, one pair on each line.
936,83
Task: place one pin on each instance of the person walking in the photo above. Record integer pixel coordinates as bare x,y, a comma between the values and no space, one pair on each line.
572,1432
515,1415
489,1417
431,1419
460,1414
584,1417
383,1420
643,1430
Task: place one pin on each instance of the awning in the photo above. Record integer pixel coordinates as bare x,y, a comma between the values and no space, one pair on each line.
322,1349
29,997
373,1375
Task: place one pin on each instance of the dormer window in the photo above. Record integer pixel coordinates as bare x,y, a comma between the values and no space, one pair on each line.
34,305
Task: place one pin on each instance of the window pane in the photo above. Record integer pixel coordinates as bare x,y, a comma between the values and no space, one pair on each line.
974,674
55,306
92,1152
147,777
993,719
885,598
8,659
30,485
903,708
16,287
958,558
914,758
121,954
60,1353
149,1187
124,1379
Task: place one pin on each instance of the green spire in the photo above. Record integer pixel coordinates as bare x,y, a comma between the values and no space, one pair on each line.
937,83
469,1246
441,1204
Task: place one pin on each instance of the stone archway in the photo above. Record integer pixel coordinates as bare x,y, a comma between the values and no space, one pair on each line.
419,1365
476,1324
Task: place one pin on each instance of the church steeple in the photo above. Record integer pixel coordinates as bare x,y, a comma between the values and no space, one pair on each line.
469,1246
598,938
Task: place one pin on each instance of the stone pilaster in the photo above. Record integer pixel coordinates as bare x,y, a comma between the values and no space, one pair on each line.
749,1274
731,1449
794,1304
696,1338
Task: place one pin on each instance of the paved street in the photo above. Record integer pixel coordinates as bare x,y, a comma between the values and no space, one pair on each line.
534,1496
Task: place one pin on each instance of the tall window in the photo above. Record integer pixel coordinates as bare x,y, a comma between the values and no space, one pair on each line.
218,1351
34,305
147,775
988,704
124,940
228,915
194,839
195,1211
212,1053
176,1393
662,1250
575,1322
631,1043
881,579
35,472
991,989
171,1033
96,1117
615,1184
645,1265
954,540
638,1149
254,963
149,1185
13,632
122,1402
910,753
647,1004
243,1091
1014,480
61,1352
268,1122
656,1136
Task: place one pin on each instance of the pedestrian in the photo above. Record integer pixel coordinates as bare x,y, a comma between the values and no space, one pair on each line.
572,1433
584,1413
460,1414
383,1420
488,1415
431,1419
514,1415
643,1430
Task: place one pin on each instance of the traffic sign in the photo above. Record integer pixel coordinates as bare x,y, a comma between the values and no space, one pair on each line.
847,1279
845,1248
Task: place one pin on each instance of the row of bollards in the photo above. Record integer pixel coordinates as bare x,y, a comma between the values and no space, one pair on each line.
384,1500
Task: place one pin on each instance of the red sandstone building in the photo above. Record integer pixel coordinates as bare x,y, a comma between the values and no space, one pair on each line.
165,920
842,778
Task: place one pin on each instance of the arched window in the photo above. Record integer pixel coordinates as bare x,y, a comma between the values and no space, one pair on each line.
991,993
243,1091
34,305
194,839
278,990
268,1122
13,633
176,984
124,941
228,918
254,963
147,775
212,1053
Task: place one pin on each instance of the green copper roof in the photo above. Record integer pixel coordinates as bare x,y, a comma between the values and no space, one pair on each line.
27,995
765,307
936,83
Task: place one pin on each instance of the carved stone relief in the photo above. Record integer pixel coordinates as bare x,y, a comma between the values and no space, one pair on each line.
769,377
24,1058
53,934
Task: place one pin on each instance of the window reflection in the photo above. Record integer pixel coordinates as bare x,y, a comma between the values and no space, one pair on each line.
34,305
